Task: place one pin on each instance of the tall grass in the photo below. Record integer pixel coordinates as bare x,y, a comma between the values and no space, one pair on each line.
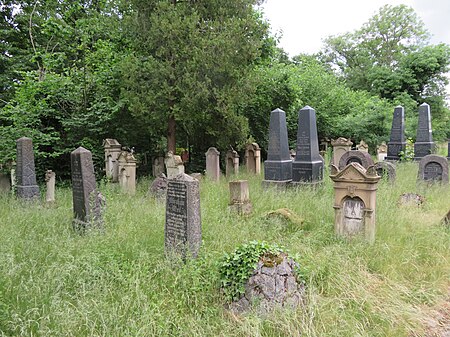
54,282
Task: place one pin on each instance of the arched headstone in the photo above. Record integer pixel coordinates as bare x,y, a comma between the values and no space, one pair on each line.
362,158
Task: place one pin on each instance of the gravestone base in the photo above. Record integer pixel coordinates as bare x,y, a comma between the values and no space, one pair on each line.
307,172
394,150
275,184
242,208
278,170
422,149
300,184
28,192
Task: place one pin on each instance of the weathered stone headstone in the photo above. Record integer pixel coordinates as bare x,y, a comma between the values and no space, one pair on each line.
253,158
386,170
355,199
382,151
424,144
278,166
27,187
127,172
448,150
174,165
239,197
362,146
13,176
112,150
158,166
355,156
232,166
5,184
433,168
183,228
397,142
158,187
50,179
340,146
212,164
307,167
87,201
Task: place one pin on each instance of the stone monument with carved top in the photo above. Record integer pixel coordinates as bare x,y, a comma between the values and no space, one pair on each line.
112,150
253,158
340,146
27,187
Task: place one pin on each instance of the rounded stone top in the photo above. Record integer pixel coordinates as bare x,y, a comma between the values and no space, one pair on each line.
212,150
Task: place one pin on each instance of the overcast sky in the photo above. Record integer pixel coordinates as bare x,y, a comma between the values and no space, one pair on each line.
305,23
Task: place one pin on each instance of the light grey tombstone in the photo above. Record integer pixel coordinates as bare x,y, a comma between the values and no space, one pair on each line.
212,164
158,166
382,151
253,158
27,187
50,179
112,150
232,166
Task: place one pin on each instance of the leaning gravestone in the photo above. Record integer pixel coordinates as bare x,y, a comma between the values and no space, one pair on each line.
355,156
424,144
397,142
386,170
27,187
183,228
87,202
433,168
278,166
307,167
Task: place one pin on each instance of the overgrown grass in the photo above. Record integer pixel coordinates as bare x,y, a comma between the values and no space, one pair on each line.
54,282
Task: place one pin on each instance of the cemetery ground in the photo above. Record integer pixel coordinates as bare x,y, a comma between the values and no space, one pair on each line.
55,282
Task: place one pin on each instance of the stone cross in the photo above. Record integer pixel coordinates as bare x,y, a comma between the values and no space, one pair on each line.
232,163
212,164
424,144
433,169
112,151
183,228
50,179
307,167
278,166
397,142
27,187
239,197
253,158
340,146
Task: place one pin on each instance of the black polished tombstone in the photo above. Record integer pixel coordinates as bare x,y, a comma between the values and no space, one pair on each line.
424,144
397,142
307,167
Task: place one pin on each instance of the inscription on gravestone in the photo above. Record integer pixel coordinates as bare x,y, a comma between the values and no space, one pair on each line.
27,187
432,171
353,209
433,168
176,213
397,142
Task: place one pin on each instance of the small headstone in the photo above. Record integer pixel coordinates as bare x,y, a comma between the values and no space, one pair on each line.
232,163
382,151
433,168
307,167
355,156
239,197
13,176
340,146
112,150
253,158
5,184
397,142
127,172
183,228
174,165
87,202
212,164
424,144
27,187
386,170
158,166
50,179
278,166
158,188
362,146
411,199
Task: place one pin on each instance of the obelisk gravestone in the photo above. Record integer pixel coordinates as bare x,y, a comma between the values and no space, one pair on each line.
397,142
424,144
27,187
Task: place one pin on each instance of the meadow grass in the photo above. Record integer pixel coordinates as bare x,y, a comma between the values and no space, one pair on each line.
54,282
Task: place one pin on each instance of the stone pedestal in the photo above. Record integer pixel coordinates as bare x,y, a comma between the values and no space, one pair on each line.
340,146
424,144
112,151
127,172
253,158
278,166
232,166
362,146
307,167
174,165
27,187
355,199
397,142
239,197
50,179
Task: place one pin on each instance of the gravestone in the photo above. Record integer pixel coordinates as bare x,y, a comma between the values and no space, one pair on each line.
397,142
5,184
424,144
127,172
433,168
87,201
355,156
174,165
183,229
13,176
382,151
50,179
212,164
239,197
386,170
448,151
27,187
158,187
340,146
253,158
232,166
278,166
112,150
158,166
307,167
362,146
355,200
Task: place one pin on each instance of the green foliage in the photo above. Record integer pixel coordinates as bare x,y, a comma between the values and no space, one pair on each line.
236,268
408,154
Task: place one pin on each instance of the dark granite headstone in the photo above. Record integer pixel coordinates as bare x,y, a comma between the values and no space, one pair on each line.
433,168
397,142
354,156
386,170
278,166
183,228
87,202
27,187
448,150
424,144
308,165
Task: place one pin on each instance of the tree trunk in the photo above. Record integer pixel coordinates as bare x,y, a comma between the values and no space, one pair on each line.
171,141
